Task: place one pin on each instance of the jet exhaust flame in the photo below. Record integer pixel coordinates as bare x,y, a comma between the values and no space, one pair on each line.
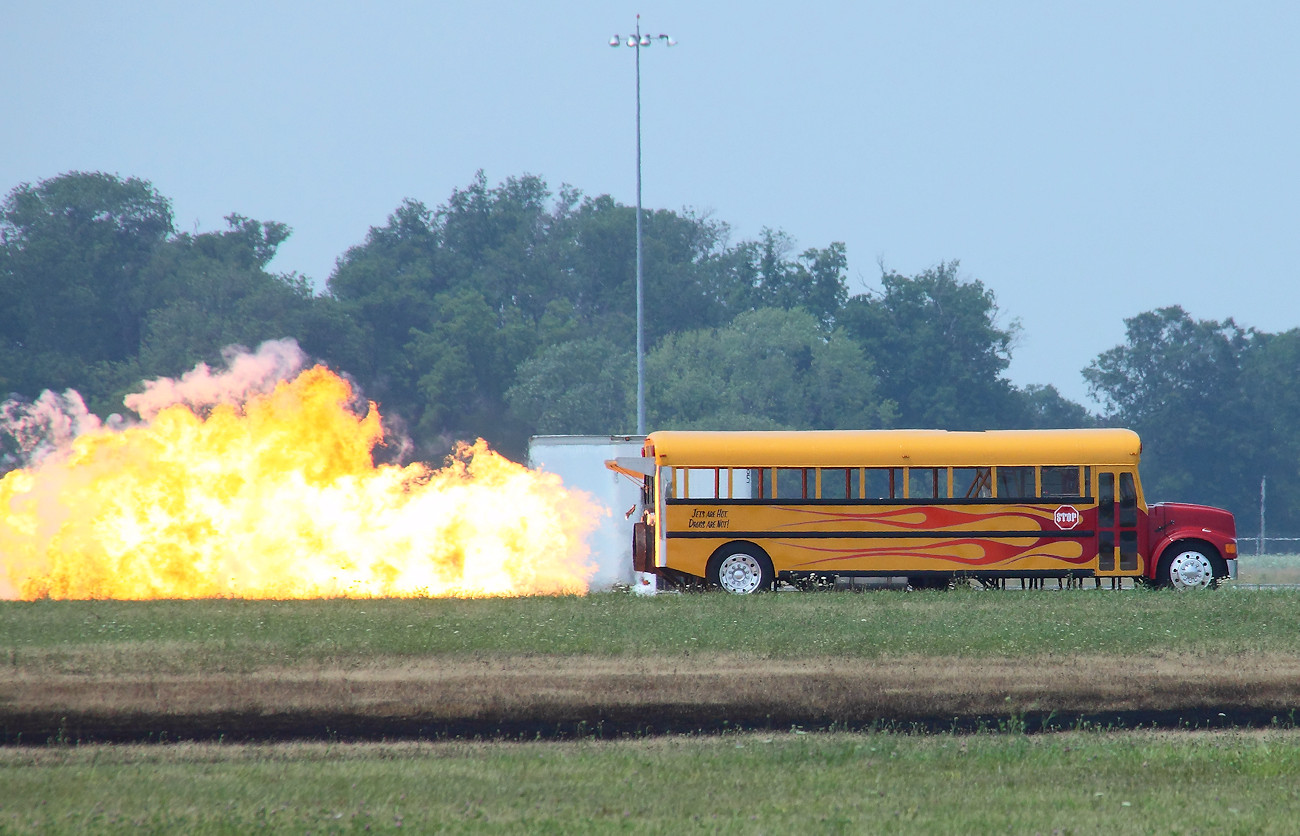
259,482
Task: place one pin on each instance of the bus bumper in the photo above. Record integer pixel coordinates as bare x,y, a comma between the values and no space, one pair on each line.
1232,568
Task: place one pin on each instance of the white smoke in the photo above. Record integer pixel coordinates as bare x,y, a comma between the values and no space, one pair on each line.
246,375
45,425
50,423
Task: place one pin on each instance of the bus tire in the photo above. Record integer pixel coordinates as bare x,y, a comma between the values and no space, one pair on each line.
1190,565
741,569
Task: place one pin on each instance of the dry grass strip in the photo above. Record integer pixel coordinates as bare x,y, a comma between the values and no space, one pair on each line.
451,689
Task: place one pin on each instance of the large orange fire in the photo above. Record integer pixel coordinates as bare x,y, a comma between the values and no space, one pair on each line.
231,488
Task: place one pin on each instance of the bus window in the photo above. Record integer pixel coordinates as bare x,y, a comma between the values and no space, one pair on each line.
882,482
1128,498
1105,500
740,483
1128,543
1016,483
927,483
1106,550
697,483
1063,482
792,483
972,482
1128,549
839,482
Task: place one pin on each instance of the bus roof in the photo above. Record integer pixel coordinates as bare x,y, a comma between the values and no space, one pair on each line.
894,448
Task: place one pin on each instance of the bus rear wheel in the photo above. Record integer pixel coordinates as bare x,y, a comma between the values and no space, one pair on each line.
1188,566
741,569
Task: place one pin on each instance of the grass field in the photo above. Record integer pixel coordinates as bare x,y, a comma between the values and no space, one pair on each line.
1077,782
235,636
528,666
994,658
1269,568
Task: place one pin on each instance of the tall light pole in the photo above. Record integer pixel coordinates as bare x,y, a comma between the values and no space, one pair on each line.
637,41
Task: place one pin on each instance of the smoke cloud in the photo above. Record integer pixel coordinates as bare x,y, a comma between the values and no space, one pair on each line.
49,424
43,426
245,375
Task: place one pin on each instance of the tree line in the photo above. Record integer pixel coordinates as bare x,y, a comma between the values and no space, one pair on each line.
509,311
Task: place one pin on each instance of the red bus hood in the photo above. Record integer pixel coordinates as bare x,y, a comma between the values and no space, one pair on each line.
1165,517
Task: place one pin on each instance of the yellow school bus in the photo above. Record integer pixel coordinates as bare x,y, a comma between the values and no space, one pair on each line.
744,511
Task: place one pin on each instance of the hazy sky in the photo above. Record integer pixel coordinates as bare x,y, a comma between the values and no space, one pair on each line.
1086,161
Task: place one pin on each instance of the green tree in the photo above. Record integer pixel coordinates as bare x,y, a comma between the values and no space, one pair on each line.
448,302
467,359
764,276
683,276
769,369
386,288
73,249
212,290
1178,383
1271,403
939,350
584,387
1044,407
452,303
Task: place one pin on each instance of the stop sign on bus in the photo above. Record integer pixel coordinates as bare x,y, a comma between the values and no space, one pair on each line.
1067,517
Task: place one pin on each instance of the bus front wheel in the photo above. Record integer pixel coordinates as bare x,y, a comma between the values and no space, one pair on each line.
741,569
1188,566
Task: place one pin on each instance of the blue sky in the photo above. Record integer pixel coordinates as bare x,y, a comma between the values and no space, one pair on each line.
1086,161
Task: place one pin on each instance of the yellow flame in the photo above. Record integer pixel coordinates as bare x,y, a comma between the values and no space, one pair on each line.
280,498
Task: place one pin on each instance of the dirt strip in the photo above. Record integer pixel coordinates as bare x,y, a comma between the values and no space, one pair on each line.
565,696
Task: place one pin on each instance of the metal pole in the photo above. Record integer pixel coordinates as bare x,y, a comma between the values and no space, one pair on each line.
640,299
1259,547
637,42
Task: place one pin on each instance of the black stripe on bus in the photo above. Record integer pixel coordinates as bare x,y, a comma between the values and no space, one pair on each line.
725,534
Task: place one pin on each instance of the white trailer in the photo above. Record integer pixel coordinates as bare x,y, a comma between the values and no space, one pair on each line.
579,460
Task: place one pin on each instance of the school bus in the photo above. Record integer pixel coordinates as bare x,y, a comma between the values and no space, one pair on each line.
744,511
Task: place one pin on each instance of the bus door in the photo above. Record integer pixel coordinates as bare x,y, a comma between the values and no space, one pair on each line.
1117,524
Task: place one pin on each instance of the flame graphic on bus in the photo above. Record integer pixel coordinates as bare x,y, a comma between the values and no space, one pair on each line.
969,553
923,518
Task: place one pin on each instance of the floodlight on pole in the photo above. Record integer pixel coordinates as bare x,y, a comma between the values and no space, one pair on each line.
637,41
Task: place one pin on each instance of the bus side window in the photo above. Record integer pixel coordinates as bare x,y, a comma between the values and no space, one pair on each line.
793,483
839,483
972,482
739,484
882,482
1016,483
927,483
698,483
1061,482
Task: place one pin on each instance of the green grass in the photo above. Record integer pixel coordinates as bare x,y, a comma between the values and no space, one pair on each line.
1269,568
1076,782
1083,781
239,636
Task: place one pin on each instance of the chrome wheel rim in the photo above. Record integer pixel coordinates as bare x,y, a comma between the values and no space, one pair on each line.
740,574
1191,570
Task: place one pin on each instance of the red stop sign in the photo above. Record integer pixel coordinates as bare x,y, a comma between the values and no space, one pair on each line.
1067,517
